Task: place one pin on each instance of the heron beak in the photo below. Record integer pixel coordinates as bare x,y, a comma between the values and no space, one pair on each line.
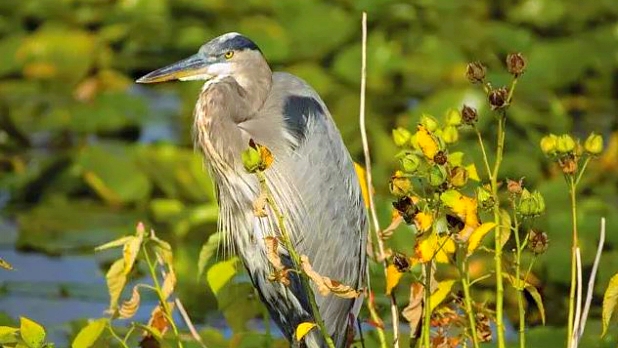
192,68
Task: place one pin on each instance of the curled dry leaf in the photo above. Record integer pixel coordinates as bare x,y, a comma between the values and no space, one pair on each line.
413,312
259,205
169,283
325,284
158,320
395,222
272,243
130,307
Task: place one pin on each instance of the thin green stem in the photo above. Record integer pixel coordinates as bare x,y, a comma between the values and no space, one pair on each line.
376,319
520,290
573,196
116,336
465,284
128,334
427,307
287,242
166,308
582,170
498,234
482,145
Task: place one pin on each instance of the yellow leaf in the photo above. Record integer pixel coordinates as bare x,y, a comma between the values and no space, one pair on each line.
392,278
465,208
426,142
477,236
32,333
116,280
88,335
266,155
129,308
220,274
432,246
129,253
303,329
610,300
5,265
472,173
169,283
444,288
362,179
423,221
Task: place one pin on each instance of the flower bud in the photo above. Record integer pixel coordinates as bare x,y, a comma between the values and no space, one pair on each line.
516,64
531,204
540,202
410,162
400,185
538,242
469,115
406,208
565,143
401,136
453,117
475,72
485,198
251,159
440,158
450,134
549,144
594,144
459,176
429,123
498,98
437,175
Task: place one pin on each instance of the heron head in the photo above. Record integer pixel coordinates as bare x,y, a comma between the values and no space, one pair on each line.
227,55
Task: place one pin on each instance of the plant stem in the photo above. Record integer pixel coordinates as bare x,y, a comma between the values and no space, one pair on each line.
427,307
116,336
573,196
166,308
287,242
498,234
485,158
465,284
520,289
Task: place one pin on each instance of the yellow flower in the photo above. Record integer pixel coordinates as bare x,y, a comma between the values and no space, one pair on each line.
426,142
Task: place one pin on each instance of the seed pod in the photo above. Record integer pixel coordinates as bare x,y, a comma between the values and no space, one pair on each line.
400,261
406,208
475,72
440,158
516,64
485,199
429,123
437,175
450,134
498,98
400,185
549,144
514,187
538,242
565,143
469,115
410,163
401,136
459,176
453,118
594,144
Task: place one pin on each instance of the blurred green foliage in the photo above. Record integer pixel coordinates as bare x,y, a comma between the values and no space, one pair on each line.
84,153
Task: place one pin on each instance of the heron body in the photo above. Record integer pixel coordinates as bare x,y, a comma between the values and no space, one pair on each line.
312,179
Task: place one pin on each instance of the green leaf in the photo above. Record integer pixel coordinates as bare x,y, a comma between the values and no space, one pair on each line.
610,299
208,250
221,273
536,296
7,335
31,333
115,243
116,280
89,334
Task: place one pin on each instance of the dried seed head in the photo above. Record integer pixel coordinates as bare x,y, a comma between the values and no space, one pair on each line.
538,241
475,72
400,261
568,164
498,98
406,208
459,176
400,185
401,136
469,115
516,64
514,187
440,158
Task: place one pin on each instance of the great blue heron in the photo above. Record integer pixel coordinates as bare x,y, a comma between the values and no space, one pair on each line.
313,178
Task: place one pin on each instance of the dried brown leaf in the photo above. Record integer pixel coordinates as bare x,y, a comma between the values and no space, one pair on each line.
130,307
272,243
259,205
158,320
325,284
413,312
388,231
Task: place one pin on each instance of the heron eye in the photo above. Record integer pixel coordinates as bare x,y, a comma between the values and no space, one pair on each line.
229,54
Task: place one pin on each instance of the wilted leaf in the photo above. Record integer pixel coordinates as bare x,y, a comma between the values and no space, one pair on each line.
303,329
5,265
413,312
272,243
393,276
259,205
31,333
362,179
426,142
444,288
115,243
158,321
505,226
208,250
477,236
116,280
89,334
130,307
169,283
220,274
325,284
396,221
610,300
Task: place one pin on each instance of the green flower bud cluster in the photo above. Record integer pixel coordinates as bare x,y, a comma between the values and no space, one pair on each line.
530,204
